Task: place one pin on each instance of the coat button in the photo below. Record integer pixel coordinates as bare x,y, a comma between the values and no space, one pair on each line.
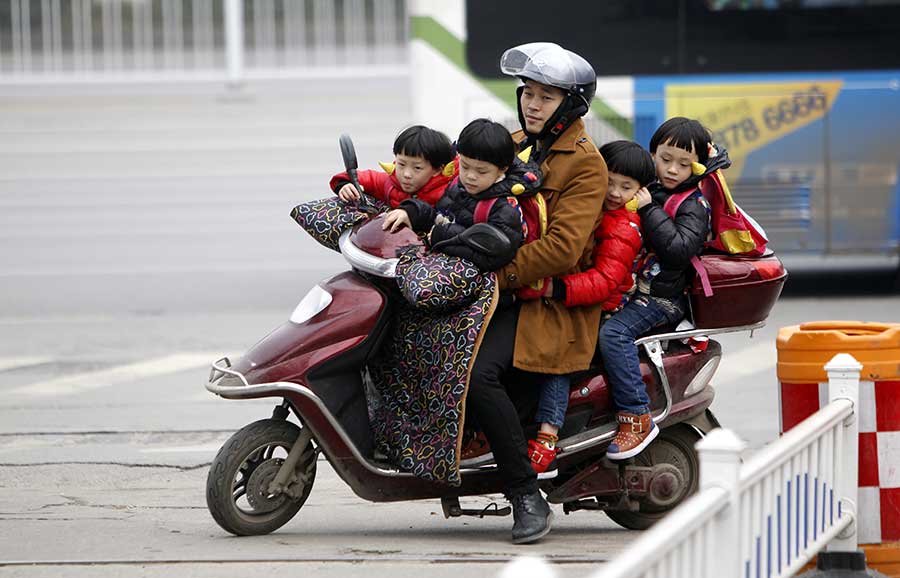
512,277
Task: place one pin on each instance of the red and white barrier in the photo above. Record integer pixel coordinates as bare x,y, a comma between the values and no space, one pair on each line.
879,449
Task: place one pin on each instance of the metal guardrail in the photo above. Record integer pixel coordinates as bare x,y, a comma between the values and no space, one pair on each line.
767,517
112,39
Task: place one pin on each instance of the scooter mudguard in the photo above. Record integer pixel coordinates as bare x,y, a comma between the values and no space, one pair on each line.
290,351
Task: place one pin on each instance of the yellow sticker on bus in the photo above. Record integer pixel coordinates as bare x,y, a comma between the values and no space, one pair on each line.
744,117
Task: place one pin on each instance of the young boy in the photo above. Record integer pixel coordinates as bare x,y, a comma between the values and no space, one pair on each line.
680,149
490,176
610,281
422,168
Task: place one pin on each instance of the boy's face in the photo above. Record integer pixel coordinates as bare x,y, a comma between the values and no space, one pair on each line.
621,190
538,103
673,164
477,176
413,172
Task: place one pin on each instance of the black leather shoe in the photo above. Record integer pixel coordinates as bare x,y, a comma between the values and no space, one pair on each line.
532,515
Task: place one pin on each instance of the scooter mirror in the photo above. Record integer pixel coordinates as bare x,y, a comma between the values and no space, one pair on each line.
348,153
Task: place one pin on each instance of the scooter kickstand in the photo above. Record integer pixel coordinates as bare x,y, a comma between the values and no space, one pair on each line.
452,509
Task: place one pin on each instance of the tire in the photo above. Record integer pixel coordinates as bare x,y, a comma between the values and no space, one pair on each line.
675,442
236,492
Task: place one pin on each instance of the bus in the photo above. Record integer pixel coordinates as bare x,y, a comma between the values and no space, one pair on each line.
804,94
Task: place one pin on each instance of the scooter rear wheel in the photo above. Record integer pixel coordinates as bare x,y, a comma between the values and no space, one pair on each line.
237,486
674,446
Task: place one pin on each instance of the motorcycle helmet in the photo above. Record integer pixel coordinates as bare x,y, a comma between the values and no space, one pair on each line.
553,65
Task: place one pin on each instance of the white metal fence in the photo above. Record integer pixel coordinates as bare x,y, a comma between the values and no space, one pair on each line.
770,516
42,39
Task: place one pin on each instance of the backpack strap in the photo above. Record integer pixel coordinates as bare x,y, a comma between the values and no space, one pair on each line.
700,268
483,209
674,201
671,209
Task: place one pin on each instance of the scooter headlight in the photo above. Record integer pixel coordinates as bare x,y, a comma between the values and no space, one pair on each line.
314,302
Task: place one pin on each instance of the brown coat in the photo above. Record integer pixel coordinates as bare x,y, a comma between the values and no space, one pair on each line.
551,338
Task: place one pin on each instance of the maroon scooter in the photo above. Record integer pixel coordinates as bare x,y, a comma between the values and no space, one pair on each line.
315,365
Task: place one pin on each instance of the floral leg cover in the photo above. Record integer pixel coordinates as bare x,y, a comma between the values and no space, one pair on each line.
422,374
420,377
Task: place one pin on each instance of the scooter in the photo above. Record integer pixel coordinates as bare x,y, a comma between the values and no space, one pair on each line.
315,364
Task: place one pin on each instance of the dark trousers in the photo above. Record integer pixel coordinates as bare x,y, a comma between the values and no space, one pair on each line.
491,407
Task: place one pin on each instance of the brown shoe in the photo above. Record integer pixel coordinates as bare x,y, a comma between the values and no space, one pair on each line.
475,450
635,433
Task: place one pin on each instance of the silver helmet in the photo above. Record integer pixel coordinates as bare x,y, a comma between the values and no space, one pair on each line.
553,65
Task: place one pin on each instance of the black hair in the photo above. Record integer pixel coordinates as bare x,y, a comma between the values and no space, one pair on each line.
421,141
629,159
489,141
684,133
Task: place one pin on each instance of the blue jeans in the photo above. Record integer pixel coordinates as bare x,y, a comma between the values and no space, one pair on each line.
620,355
554,400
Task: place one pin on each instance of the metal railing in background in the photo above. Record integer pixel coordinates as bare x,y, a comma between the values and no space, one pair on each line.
113,39
767,517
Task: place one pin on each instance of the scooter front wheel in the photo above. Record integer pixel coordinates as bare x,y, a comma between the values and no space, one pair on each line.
237,488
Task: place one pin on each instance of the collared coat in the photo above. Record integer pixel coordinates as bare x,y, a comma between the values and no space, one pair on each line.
551,338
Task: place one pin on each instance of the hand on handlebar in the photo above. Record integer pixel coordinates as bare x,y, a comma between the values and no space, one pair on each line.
396,220
349,194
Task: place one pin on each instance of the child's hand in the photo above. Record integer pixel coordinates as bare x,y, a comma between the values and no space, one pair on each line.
643,197
348,193
395,220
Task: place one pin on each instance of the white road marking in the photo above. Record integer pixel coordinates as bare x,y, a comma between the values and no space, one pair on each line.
206,448
16,362
81,382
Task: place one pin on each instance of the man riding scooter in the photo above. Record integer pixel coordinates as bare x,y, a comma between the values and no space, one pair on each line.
542,336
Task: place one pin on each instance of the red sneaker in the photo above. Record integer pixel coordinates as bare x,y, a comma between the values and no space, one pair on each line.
543,460
476,450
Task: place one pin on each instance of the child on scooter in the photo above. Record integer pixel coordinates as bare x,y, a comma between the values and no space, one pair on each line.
680,149
490,178
422,168
610,282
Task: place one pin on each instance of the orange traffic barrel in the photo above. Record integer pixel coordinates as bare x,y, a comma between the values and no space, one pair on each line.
803,352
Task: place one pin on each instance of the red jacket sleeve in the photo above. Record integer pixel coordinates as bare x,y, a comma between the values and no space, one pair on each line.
375,183
618,243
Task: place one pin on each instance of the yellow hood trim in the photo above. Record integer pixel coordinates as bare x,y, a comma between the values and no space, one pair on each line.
542,212
387,167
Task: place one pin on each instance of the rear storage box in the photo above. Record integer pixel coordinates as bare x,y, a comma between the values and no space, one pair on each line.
744,290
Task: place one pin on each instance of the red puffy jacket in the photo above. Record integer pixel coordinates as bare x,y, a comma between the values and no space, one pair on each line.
618,242
385,186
